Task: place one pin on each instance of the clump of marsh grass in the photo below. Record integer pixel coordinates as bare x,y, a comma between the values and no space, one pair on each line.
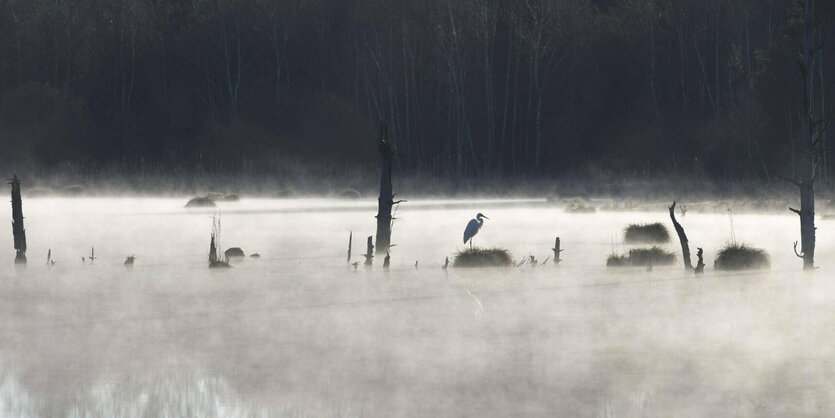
641,257
201,202
578,205
740,256
349,194
654,233
483,257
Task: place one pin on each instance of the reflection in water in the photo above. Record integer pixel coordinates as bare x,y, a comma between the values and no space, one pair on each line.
14,399
169,395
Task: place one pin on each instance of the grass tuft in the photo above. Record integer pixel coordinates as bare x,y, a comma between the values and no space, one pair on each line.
654,233
483,257
735,256
640,257
201,202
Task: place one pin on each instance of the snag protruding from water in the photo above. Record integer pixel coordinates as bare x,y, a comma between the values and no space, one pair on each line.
812,131
700,265
369,252
557,251
350,243
216,260
682,237
386,200
18,231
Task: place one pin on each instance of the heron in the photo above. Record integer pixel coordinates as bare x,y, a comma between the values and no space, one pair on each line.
472,228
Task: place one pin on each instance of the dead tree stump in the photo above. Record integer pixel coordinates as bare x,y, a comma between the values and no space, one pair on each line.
350,242
386,198
700,265
369,252
557,251
18,231
682,237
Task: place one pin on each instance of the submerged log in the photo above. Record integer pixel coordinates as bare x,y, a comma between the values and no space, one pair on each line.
18,231
682,237
386,198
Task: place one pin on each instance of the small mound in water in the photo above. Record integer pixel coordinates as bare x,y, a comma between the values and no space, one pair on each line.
483,257
73,190
349,194
201,202
654,233
285,193
641,257
742,257
38,192
234,252
579,205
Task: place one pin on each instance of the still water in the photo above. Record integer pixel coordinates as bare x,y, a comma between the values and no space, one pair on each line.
299,333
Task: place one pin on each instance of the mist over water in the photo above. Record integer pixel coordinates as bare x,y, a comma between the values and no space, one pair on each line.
299,333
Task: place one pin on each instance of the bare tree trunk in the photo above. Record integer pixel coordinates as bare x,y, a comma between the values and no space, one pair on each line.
557,251
682,237
18,231
386,199
350,244
369,252
807,152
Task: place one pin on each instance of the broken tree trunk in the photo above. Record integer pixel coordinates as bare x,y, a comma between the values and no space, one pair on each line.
18,231
682,237
557,251
369,252
808,154
350,242
386,199
700,265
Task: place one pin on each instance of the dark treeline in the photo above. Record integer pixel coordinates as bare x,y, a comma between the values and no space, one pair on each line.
470,88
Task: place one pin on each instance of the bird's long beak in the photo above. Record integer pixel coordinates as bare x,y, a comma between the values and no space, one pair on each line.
484,217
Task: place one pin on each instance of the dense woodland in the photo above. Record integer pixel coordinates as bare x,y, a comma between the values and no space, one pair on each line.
469,88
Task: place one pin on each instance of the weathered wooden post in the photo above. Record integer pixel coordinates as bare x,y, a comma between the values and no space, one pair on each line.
350,240
18,231
369,252
700,265
682,237
386,199
557,251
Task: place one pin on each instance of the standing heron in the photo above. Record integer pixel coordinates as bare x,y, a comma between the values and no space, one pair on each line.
472,228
